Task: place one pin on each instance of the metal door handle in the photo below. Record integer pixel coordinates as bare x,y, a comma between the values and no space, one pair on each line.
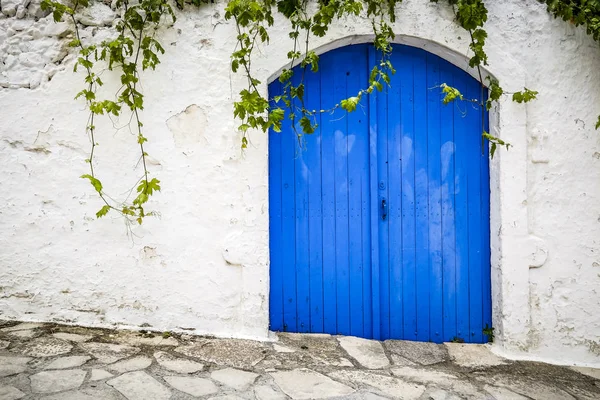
383,209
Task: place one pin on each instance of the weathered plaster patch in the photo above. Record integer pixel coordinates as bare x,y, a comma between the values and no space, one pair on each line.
41,143
188,127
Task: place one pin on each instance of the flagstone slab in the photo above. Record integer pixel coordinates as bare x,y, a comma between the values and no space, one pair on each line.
304,358
235,353
155,340
503,393
308,350
385,384
132,364
99,374
14,360
424,376
305,384
313,343
192,385
401,361
473,355
26,334
527,387
264,392
539,391
464,389
439,394
177,364
423,353
139,385
46,347
68,362
8,370
369,353
108,353
13,365
234,378
103,392
334,362
57,381
282,349
10,393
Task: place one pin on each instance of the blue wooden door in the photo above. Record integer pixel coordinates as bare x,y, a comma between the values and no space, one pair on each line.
379,221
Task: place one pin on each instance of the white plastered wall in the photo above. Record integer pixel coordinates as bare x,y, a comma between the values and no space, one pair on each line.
203,266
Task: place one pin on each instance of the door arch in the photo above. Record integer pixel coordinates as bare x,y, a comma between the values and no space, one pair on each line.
379,221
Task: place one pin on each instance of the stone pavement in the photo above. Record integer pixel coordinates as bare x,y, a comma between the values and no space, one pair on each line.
53,362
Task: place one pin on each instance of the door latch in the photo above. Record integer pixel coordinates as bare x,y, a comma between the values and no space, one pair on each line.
384,209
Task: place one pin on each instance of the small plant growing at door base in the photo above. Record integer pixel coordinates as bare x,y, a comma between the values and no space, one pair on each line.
457,339
489,332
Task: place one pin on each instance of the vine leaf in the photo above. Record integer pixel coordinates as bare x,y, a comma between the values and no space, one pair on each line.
524,96
451,94
103,211
495,92
306,125
95,182
275,117
350,104
149,187
494,142
598,123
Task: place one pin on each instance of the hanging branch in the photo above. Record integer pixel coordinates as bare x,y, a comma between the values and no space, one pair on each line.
122,53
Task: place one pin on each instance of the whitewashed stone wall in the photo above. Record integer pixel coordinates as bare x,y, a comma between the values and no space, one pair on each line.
203,266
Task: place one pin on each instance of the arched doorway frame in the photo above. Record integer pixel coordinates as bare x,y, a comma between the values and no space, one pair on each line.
511,245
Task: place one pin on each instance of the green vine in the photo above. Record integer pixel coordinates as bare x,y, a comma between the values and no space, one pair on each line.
252,19
136,45
135,42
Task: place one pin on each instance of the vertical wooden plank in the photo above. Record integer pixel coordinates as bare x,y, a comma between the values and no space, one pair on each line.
485,231
288,237
407,105
328,126
473,149
421,121
357,128
302,171
315,226
434,104
345,67
374,206
275,234
393,182
384,125
447,194
365,216
463,124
